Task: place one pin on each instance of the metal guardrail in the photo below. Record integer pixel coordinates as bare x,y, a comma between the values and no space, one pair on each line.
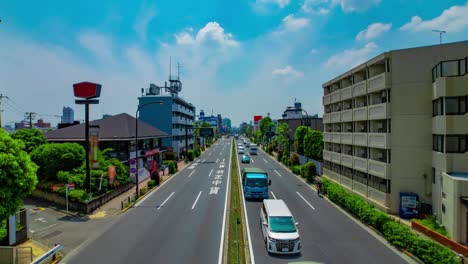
48,255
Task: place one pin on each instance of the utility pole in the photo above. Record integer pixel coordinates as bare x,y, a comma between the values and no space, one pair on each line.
1,98
30,116
440,33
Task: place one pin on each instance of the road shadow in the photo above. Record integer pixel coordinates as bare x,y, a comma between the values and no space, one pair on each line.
280,256
71,218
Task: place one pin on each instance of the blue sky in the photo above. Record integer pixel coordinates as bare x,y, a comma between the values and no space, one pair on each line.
239,58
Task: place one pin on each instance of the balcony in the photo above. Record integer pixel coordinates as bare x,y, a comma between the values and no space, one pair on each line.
379,111
360,139
327,137
326,155
179,108
335,117
336,157
346,181
379,140
379,82
347,115
450,124
327,99
335,97
327,118
346,93
360,188
378,168
333,175
360,164
379,196
360,113
347,138
360,88
347,160
336,137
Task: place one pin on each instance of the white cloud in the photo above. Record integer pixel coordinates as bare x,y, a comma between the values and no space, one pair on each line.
293,23
323,7
373,31
351,57
287,71
211,32
97,43
313,51
145,16
453,19
280,3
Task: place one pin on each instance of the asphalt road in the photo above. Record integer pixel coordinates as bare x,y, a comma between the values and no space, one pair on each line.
181,222
327,235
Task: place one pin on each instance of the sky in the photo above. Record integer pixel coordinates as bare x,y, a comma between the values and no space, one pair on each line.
238,58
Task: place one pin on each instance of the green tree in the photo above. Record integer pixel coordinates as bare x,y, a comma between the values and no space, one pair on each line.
56,157
248,131
313,144
17,175
299,135
266,124
282,136
32,138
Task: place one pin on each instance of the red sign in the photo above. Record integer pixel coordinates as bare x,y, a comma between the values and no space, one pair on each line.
257,119
87,90
71,186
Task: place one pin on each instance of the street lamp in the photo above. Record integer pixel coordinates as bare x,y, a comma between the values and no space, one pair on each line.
302,119
136,141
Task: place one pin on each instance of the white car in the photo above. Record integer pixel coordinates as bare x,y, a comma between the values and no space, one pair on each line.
240,150
279,228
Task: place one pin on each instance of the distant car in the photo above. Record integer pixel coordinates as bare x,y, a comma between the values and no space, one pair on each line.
245,159
241,150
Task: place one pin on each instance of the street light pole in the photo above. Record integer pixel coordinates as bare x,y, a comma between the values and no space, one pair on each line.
136,142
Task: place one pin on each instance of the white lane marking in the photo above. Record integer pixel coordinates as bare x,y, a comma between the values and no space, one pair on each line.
196,200
246,217
40,219
166,200
221,243
273,194
278,173
209,175
305,200
190,175
252,160
40,230
216,160
220,153
203,160
223,160
265,160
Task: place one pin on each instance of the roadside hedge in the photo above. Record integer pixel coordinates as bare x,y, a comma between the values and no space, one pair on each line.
397,234
190,155
171,165
309,171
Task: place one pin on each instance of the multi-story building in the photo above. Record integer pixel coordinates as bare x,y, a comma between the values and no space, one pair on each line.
163,108
379,130
294,118
227,125
68,115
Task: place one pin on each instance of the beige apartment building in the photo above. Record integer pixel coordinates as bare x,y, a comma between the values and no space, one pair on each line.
398,124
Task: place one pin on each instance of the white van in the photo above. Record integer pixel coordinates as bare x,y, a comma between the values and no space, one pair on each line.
253,149
279,228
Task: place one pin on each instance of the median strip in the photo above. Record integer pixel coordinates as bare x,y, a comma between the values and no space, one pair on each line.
236,225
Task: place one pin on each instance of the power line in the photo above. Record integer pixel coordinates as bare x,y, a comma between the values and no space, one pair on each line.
30,116
1,99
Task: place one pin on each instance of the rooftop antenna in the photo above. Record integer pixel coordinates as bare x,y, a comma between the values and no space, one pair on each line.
440,33
170,65
178,70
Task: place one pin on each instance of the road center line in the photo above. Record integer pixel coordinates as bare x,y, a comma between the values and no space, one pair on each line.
265,160
252,160
278,173
203,160
305,200
216,160
272,194
167,199
209,175
196,200
190,175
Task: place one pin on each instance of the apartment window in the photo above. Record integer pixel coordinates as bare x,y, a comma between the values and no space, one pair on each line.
379,184
433,175
438,143
437,107
456,144
360,177
456,105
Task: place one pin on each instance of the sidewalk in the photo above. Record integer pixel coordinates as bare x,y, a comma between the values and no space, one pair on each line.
113,207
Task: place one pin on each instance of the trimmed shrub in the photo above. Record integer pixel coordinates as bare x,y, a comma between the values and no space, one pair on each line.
170,155
190,155
294,159
296,169
397,234
151,184
197,152
310,171
172,167
280,155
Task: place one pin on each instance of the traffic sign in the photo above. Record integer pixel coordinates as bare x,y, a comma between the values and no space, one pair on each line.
133,166
71,186
132,162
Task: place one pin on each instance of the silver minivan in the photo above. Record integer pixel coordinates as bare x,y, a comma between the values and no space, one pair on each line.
279,228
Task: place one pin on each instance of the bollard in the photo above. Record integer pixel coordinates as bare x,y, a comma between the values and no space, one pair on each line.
54,257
